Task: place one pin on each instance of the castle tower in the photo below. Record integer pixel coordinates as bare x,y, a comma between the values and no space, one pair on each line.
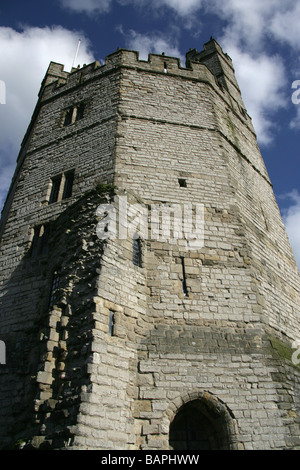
149,294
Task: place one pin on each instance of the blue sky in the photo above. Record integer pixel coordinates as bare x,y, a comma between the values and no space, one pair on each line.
262,38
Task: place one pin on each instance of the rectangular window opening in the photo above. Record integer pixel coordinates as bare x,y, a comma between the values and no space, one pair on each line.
182,182
45,239
79,112
40,241
55,189
68,117
68,186
62,187
35,241
73,114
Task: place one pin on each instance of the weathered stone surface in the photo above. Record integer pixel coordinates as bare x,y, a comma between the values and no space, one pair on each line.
123,348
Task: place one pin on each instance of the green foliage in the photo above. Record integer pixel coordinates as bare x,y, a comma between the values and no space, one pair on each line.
283,350
105,188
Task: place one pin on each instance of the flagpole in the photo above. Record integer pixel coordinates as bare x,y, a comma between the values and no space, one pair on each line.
76,54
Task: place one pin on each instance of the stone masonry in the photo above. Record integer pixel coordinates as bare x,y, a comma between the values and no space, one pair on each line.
115,342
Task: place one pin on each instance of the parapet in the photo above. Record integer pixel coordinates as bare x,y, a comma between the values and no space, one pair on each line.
57,78
211,66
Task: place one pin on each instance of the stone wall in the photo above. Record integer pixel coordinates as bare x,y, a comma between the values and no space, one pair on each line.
121,349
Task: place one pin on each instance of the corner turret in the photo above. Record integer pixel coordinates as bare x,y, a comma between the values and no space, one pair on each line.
220,64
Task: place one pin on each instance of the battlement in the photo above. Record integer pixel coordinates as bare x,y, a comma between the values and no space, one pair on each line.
159,63
211,66
123,58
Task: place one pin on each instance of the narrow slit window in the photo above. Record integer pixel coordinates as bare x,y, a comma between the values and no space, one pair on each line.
111,324
54,288
137,252
184,286
165,67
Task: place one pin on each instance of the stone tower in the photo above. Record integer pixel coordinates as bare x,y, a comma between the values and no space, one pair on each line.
149,294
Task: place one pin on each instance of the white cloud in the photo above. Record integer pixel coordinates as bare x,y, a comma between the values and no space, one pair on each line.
156,43
88,6
181,7
262,94
247,20
24,59
251,21
285,25
291,218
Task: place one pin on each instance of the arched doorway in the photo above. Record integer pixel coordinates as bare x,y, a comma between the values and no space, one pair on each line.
199,426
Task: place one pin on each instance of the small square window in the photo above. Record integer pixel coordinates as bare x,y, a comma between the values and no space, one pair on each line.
182,182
